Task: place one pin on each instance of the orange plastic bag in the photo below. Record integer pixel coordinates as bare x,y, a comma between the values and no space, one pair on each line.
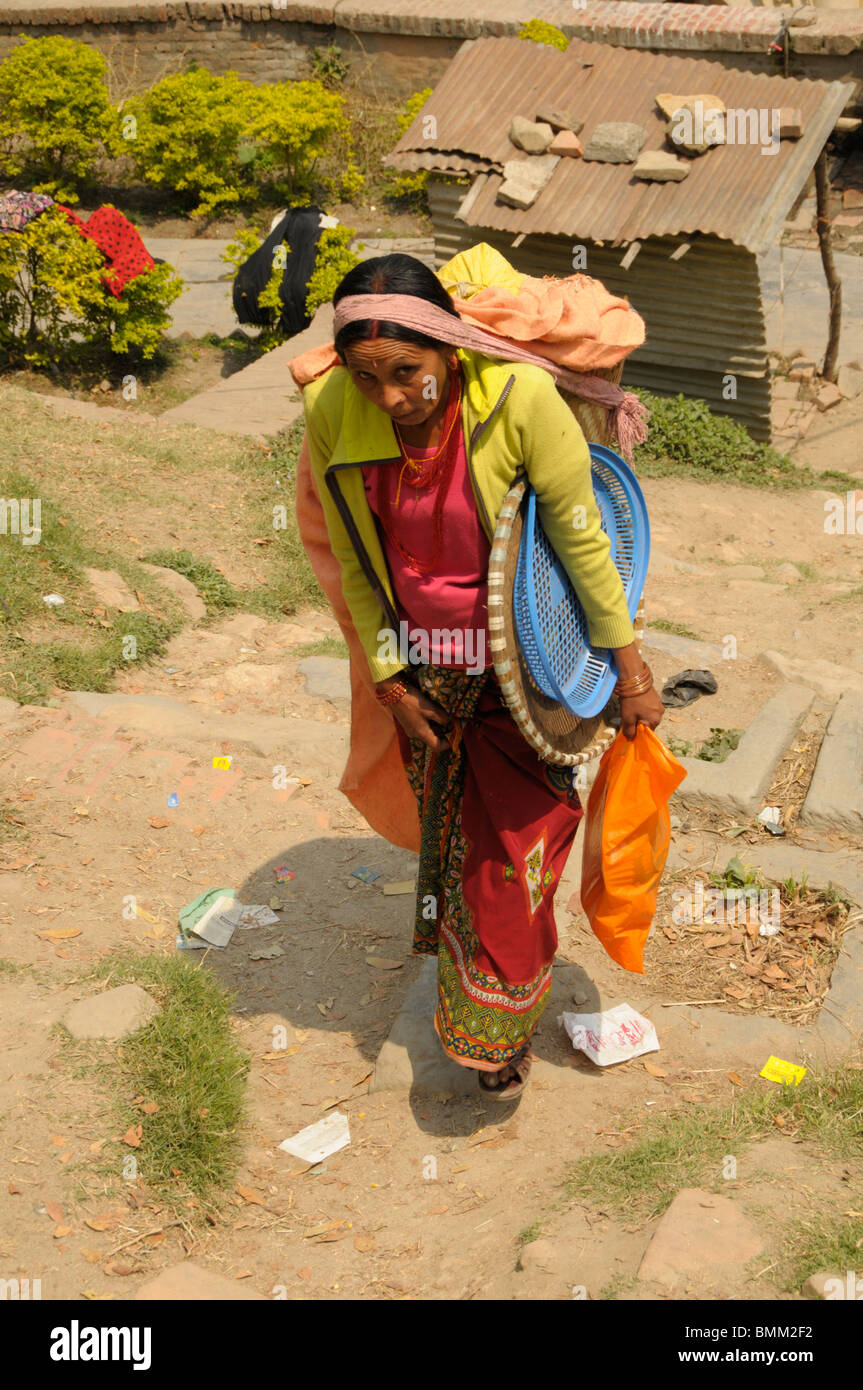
626,842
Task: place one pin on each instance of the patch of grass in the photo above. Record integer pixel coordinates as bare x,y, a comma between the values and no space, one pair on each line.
293,583
856,594
687,440
327,646
212,586
813,1245
87,648
530,1233
619,1286
721,742
677,629
187,1062
12,967
685,1150
713,750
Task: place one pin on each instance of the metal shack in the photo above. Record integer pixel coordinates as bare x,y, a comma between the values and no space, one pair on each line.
684,253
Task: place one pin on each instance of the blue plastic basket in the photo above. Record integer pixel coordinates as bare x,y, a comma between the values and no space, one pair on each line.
549,619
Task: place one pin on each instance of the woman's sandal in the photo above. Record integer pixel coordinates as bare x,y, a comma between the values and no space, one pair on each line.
521,1063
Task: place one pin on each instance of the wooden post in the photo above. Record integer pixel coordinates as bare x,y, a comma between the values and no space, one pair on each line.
834,284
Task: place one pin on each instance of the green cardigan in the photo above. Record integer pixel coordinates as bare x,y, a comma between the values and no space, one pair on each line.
514,420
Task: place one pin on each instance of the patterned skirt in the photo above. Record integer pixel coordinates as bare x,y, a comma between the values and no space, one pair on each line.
497,827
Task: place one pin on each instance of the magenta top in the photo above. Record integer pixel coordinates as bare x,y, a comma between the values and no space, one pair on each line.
443,615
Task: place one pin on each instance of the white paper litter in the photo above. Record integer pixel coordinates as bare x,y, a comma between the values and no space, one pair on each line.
216,927
318,1141
53,600
771,815
253,915
615,1035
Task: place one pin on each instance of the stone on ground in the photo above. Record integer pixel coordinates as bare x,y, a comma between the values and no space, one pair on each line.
827,679
541,1255
532,136
828,396
112,590
790,123
615,142
189,1282
327,677
702,1240
113,1014
850,379
245,627
669,102
182,588
835,797
660,166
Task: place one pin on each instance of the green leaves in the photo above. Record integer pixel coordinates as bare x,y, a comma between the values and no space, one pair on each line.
55,112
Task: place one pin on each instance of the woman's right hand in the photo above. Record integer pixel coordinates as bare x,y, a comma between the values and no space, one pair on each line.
419,716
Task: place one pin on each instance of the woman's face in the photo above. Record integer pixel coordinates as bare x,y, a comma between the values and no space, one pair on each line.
404,380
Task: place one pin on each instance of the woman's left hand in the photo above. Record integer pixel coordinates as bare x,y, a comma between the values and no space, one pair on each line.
640,709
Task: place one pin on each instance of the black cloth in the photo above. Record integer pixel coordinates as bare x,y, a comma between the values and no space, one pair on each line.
688,686
301,229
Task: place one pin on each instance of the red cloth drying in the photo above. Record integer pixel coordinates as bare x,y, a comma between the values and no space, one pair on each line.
119,242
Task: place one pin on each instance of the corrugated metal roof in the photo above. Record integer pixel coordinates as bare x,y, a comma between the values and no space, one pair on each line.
733,191
703,313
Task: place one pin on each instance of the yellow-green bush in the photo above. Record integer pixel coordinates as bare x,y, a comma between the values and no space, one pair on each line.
304,140
55,114
539,32
53,302
189,129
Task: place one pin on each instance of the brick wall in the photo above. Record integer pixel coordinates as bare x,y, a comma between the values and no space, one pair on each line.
397,46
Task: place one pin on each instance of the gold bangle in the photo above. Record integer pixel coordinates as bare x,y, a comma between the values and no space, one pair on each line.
635,685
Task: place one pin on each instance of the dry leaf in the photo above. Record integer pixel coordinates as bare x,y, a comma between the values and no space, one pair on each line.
653,1069
363,1242
305,1272
159,822
722,939
323,1228
155,1238
149,1107
59,933
133,1135
97,1147
249,1195
736,991
14,1189
732,1076
337,1235
55,1212
91,1256
384,963
61,1231
121,1269
99,1223
438,1211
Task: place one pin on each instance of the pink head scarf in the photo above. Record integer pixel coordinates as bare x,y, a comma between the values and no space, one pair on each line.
628,414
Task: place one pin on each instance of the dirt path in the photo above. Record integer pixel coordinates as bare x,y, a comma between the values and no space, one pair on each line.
386,1226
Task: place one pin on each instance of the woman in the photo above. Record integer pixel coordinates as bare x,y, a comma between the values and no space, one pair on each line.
414,444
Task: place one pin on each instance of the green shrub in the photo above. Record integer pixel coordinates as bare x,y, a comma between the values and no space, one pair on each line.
304,141
53,302
539,32
332,263
328,66
55,112
189,128
413,186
